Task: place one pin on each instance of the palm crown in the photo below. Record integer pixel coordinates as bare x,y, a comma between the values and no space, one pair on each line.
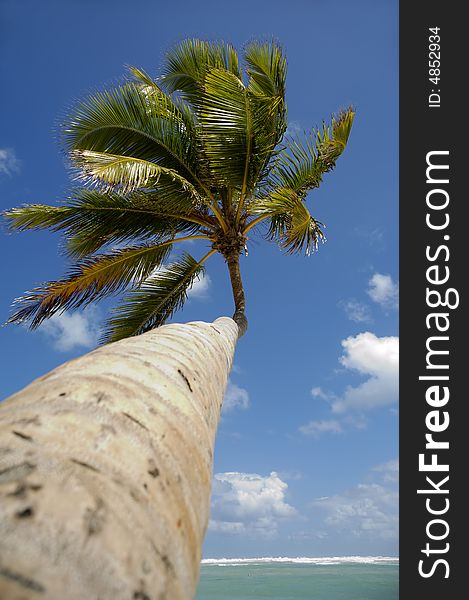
198,153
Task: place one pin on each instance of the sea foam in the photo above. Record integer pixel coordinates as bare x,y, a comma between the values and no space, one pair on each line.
321,560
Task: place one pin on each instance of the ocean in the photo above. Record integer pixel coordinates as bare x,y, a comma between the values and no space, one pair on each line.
328,578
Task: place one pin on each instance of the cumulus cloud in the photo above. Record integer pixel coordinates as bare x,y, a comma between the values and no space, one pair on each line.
367,510
72,330
377,358
200,287
384,291
316,428
236,397
248,503
370,354
356,311
9,164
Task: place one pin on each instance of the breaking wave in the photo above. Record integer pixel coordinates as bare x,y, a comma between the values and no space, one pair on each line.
321,560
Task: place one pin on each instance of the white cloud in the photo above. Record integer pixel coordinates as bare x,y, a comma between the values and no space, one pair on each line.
317,392
390,471
356,311
336,425
9,164
72,330
316,428
248,503
384,291
293,129
370,354
367,510
235,397
378,358
354,420
200,287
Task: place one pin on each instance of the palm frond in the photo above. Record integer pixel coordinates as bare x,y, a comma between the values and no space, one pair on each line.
301,166
188,63
143,78
269,127
235,134
132,122
331,141
267,68
91,219
36,216
126,173
290,222
227,128
169,106
91,279
156,299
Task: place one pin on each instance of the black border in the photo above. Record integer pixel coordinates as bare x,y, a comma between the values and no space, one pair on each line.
424,129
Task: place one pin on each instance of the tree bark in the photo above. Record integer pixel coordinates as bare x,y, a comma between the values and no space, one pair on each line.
238,293
106,465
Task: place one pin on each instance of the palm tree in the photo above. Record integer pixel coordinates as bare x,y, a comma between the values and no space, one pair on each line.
199,153
196,154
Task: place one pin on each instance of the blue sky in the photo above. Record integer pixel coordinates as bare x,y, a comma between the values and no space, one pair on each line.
306,460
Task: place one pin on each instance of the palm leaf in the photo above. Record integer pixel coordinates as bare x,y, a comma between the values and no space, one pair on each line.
155,301
189,62
171,106
267,68
91,279
97,219
126,172
291,223
301,166
36,216
331,141
227,128
235,135
131,122
91,219
145,79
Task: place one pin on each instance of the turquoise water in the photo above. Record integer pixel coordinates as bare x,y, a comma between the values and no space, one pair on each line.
293,581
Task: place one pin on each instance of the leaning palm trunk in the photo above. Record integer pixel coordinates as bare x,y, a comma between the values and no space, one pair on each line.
105,468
